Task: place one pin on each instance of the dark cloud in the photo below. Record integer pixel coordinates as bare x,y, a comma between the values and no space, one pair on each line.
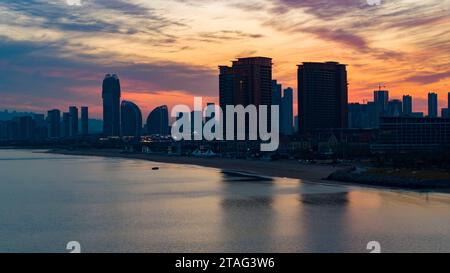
35,70
246,53
350,39
324,9
249,6
338,35
220,36
93,16
428,78
354,22
122,6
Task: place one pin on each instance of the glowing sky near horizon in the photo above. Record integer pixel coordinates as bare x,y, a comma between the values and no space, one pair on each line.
53,54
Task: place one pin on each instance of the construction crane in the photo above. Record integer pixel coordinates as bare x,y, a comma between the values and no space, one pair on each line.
381,86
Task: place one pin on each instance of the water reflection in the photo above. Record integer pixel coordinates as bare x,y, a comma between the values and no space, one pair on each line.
247,211
325,199
330,208
123,205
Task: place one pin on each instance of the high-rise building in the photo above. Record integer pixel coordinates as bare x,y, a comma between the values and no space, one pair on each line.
322,96
287,112
448,100
276,93
73,110
54,122
432,105
111,105
252,81
361,116
158,121
84,120
407,105
247,82
381,99
12,128
39,119
3,130
40,127
296,123
226,86
26,127
445,112
66,125
131,119
395,108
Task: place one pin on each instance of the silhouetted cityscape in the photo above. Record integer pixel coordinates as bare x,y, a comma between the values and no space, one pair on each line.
326,125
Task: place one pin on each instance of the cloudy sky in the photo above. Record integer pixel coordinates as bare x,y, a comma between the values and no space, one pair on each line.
54,53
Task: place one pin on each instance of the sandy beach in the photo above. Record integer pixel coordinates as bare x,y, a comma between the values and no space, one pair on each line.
283,168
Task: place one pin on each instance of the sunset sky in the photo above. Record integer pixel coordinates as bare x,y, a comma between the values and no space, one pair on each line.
53,54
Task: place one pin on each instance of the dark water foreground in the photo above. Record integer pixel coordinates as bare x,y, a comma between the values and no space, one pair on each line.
411,183
122,205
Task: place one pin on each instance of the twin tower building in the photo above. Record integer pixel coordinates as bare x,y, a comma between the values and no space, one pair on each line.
125,118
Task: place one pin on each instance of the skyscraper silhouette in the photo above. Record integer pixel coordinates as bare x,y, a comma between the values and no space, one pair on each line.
66,125
158,121
54,122
111,105
131,119
287,112
276,93
395,108
322,96
381,101
84,121
247,82
407,105
448,100
432,105
26,127
73,110
446,111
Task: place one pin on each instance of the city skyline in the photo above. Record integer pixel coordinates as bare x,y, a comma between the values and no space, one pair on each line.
165,54
440,104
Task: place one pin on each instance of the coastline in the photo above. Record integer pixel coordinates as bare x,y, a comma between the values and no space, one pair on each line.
291,169
281,169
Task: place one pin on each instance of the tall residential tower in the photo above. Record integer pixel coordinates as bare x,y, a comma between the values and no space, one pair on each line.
84,120
432,105
131,119
111,105
247,82
74,120
322,96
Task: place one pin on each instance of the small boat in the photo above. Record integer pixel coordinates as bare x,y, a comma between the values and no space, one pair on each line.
155,168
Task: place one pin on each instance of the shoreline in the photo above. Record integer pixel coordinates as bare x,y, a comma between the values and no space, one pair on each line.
277,169
317,174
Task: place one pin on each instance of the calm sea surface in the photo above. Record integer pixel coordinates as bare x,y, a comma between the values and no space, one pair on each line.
122,205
